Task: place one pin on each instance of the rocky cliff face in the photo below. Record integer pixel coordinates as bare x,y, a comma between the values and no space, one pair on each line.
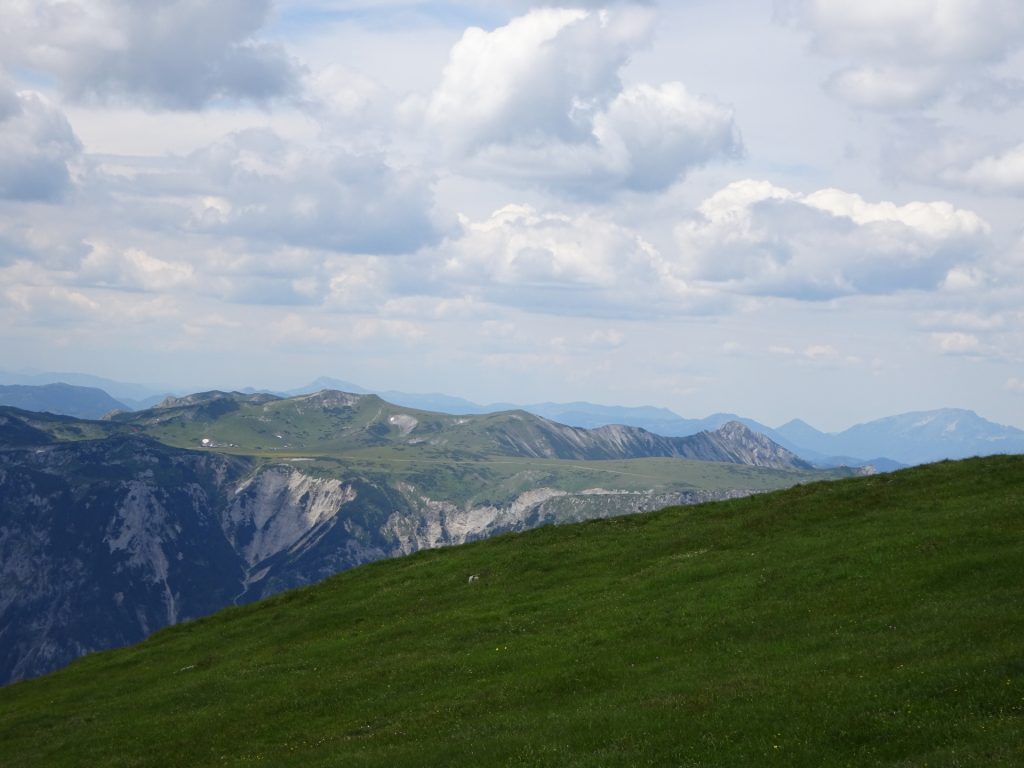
103,542
441,523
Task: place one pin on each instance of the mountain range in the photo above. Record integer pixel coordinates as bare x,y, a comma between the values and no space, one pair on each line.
885,444
132,396
112,529
84,402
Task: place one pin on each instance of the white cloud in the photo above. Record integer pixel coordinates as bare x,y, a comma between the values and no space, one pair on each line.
37,146
933,152
320,196
252,219
171,53
341,95
259,187
887,87
605,338
820,352
133,269
963,320
999,172
909,53
651,135
753,237
500,85
294,329
519,246
956,343
541,100
937,220
553,262
964,280
1014,385
51,305
814,354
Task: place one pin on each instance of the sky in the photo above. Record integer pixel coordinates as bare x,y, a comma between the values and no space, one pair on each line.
799,208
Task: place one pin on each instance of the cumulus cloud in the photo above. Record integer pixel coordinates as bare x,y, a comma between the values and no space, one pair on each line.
259,186
1000,172
754,237
933,152
541,100
878,87
519,79
957,343
519,246
253,218
343,96
910,53
133,269
51,305
649,135
554,262
179,54
37,145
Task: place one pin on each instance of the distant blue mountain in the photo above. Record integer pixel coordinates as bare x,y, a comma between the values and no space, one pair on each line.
324,382
912,438
886,444
131,396
425,402
64,399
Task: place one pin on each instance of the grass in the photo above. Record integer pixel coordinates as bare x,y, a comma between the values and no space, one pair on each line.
465,467
499,480
867,622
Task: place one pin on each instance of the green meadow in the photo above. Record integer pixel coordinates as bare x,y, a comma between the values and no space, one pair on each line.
874,621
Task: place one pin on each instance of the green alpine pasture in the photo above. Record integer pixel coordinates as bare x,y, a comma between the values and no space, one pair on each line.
873,621
456,459
499,480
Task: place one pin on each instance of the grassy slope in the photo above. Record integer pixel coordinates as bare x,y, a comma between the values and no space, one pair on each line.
496,480
57,427
874,621
307,424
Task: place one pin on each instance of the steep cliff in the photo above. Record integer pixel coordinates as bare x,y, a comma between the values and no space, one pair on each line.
103,542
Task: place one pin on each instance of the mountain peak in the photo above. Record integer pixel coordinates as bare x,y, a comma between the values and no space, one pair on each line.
749,447
213,396
326,382
735,425
68,399
796,424
333,398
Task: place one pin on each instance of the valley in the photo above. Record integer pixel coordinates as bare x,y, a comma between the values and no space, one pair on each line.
116,528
